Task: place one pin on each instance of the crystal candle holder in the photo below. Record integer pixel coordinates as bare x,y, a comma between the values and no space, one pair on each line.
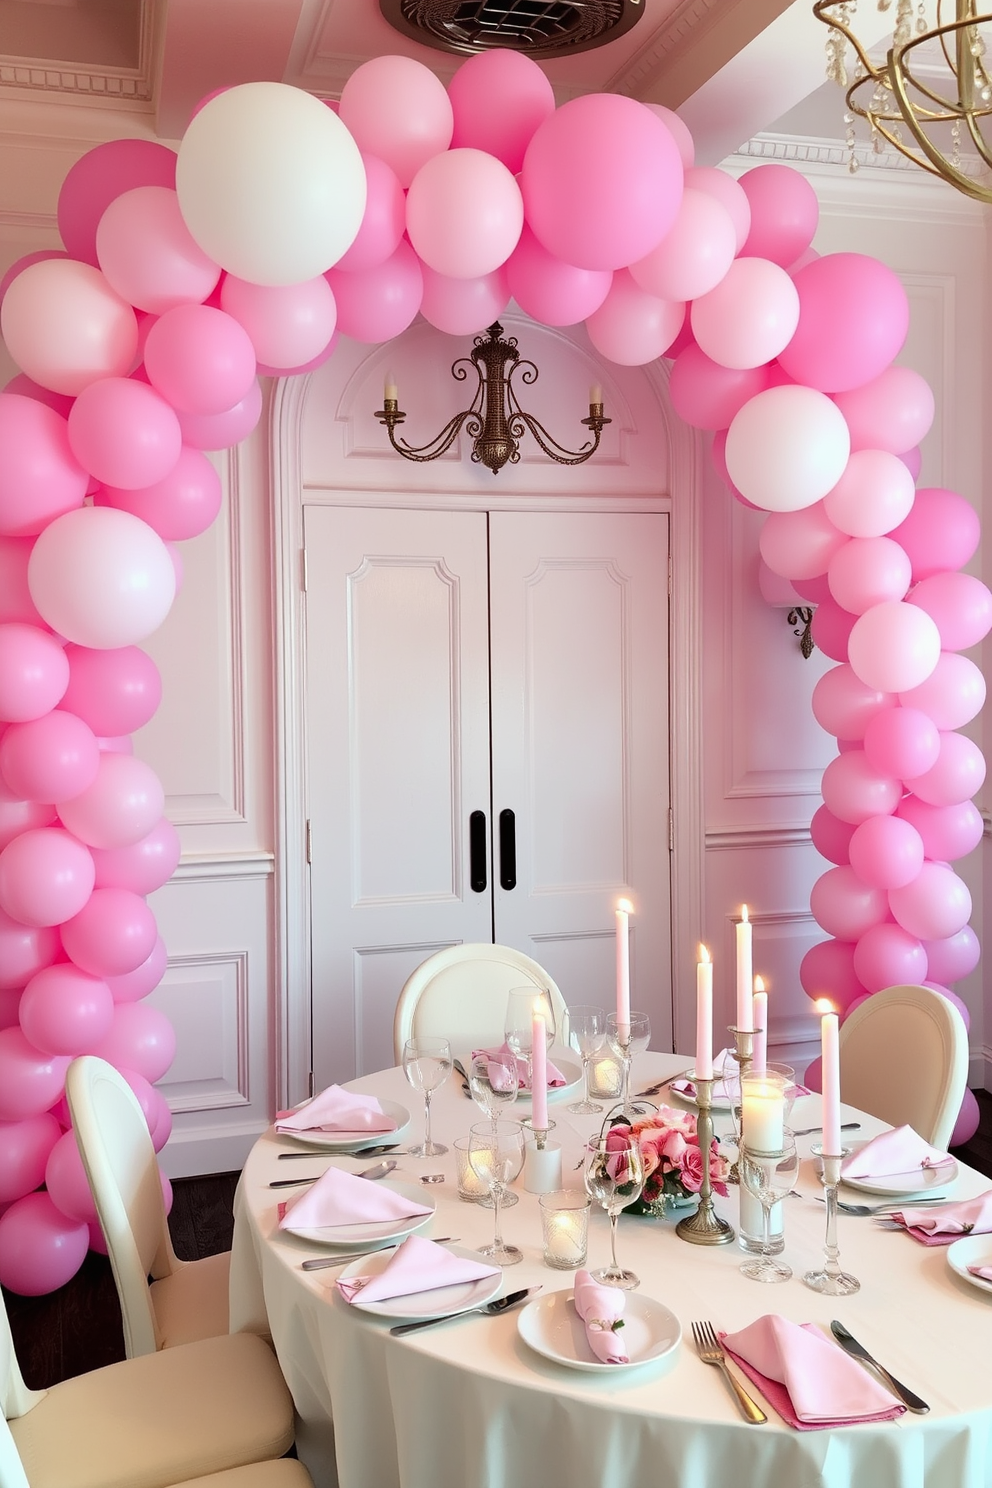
831,1281
565,1226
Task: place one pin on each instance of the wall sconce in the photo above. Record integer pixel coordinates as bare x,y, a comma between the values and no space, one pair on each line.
801,618
781,595
494,419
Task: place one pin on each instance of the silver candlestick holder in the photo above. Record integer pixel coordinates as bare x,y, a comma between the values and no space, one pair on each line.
704,1226
743,1052
831,1280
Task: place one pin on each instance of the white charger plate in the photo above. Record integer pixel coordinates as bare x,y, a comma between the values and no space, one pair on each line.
369,1234
971,1250
552,1327
419,1306
907,1185
342,1141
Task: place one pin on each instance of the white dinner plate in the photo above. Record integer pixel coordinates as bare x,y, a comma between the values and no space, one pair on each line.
370,1234
907,1185
568,1091
419,1306
552,1327
971,1250
342,1141
721,1100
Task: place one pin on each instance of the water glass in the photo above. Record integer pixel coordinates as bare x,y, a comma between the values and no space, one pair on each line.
614,1177
523,1004
587,1035
627,1039
492,1080
565,1227
769,1176
496,1153
471,1187
427,1064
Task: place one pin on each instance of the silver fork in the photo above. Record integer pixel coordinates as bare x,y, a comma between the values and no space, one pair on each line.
709,1349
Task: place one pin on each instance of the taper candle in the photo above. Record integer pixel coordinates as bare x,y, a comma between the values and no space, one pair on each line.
830,1082
745,1016
539,1078
623,962
759,1007
704,1015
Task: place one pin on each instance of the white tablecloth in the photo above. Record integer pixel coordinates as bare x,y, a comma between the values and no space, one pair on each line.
467,1404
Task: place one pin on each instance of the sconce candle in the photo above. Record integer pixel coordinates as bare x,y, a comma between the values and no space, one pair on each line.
759,1006
390,390
745,1015
595,396
623,962
830,1051
704,1015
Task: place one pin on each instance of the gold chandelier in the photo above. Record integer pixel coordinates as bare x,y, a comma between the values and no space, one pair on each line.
942,109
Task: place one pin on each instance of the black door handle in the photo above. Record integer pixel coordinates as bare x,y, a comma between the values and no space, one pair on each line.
477,851
507,850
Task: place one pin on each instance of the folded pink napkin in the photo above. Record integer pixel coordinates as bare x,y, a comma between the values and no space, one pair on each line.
945,1225
984,1272
601,1309
339,1198
892,1153
809,1380
419,1265
337,1110
555,1076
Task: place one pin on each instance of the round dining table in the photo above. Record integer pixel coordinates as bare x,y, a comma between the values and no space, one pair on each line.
469,1404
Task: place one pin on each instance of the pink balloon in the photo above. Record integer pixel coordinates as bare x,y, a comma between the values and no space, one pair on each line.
800,544
886,956
124,433
894,646
65,326
873,496
947,832
708,396
854,791
550,291
39,476
67,1183
310,366
181,506
384,222
24,951
832,629
217,431
935,905
64,1010
498,100
631,327
903,742
814,591
30,1081
98,178
161,1132
113,933
913,461
134,985
288,325
831,836
464,213
17,267
894,412
749,317
148,254
16,603
464,307
787,448
34,673
397,109
602,181
98,1241
941,532
968,1120
115,691
961,606
953,957
141,1039
146,1095
378,304
24,1149
853,320
682,342
694,255
40,1248
953,694
844,706
958,774
200,359
679,131
718,456
123,804
49,759
888,852
46,876
827,970
958,1002
868,571
785,212
845,906
728,192
814,1070
142,867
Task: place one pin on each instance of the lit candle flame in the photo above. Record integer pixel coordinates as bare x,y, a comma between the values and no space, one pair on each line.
824,1005
704,954
625,905
759,984
744,914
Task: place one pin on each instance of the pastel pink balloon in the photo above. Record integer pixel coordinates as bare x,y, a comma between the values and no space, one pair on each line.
749,317
728,192
968,1121
682,341
694,255
957,775
24,1149
66,327
887,956
384,222
498,99
800,544
947,832
40,1248
379,303
550,291
633,328
854,791
19,265
902,741
464,307
310,366
46,876
147,1096
141,1039
958,1002
886,851
123,804
98,178
112,934
844,706
200,359
133,985
785,212
148,254
894,646
873,496
935,905
953,694
67,1183
217,431
397,109
913,461
49,759
602,181
161,1132
39,476
64,1010
832,629
708,396
16,603
953,957
960,604
287,324
845,906
115,691
941,532
143,866
787,448
34,672
679,131
180,506
853,320
464,213
30,1080
124,433
831,836
868,571
894,412
24,951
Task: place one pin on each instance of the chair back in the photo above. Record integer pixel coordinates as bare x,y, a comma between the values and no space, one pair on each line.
904,1059
12,1474
15,1397
123,1174
460,994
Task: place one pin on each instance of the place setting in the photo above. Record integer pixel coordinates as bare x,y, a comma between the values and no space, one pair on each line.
343,1209
599,1329
340,1120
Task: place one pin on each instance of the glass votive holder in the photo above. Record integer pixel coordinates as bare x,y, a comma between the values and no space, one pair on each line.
605,1077
470,1186
565,1227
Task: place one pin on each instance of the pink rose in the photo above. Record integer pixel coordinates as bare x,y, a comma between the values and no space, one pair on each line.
691,1169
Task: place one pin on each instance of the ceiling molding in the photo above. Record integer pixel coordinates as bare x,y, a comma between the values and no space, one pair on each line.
105,86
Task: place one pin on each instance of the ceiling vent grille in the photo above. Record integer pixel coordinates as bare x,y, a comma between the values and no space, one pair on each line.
540,28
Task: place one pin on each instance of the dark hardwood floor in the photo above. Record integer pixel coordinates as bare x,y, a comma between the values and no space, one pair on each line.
79,1327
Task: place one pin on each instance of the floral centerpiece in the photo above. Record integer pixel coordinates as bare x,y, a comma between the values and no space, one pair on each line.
673,1163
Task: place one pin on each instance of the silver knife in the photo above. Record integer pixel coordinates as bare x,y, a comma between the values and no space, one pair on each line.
493,1309
857,1350
807,1131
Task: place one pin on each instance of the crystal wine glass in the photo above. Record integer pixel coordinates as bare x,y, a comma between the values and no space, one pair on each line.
614,1177
522,1005
492,1080
496,1155
769,1176
427,1064
587,1035
627,1039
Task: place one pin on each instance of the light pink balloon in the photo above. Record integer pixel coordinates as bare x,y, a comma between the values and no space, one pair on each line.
873,496
787,448
66,1181
694,255
845,906
894,646
24,950
679,130
40,1248
957,775
550,291
728,192
708,396
464,307
887,956
947,832
34,672
953,957
311,366
941,532
124,433
115,691
133,985
749,317
464,213
934,906
161,1132
886,851
831,837
903,742
30,1081
894,412
141,1039
217,431
123,804
24,1149
961,606
46,876
17,267
65,326
98,178
179,507
287,325
913,461
968,1121
844,706
853,320
378,304
633,328
39,476
800,544
953,694
868,571
148,254
832,628
64,1010
16,604
112,934
498,100
785,212
144,865
397,109
384,222
49,759
854,791
200,359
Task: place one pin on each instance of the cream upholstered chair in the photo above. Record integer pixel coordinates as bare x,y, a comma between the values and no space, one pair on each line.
285,1473
187,1300
460,994
904,1059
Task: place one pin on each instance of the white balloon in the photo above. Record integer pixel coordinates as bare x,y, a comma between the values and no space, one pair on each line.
787,447
66,327
270,183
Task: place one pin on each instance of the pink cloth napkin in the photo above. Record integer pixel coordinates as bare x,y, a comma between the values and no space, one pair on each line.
984,1272
891,1154
555,1076
337,1110
419,1265
945,1225
600,1307
339,1198
809,1380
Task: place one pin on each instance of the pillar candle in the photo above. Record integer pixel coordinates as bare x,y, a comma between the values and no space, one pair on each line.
704,1015
830,1051
539,1080
763,1115
623,962
745,1019
759,1005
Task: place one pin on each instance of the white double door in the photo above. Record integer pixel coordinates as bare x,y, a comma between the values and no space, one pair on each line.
487,755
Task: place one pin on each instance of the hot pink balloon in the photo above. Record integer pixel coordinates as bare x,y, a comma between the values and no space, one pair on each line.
144,866
707,395
34,673
65,1011
288,324
941,532
30,1081
935,905
749,317
123,804
694,255
845,906
550,291
961,606
112,934
498,100
16,604
844,706
633,328
953,957
800,544
953,694
24,1149
384,222
395,108
218,431
66,327
200,359
868,571
903,742
886,851
378,304
959,773
40,1248
67,1183
831,836
180,506
832,629
134,985
141,1039
787,448
115,691
24,951
814,591
854,791
894,646
46,876
853,320
785,212
148,254
464,307
947,832
53,758
894,412
39,475
124,433
968,1121
827,970
728,192
98,178
887,956
873,496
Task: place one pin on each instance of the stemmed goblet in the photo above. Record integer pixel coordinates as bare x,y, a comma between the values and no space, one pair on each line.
769,1176
496,1155
587,1035
523,1004
614,1177
492,1081
626,1039
427,1064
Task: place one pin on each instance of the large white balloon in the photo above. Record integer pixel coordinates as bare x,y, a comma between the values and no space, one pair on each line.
787,447
270,183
